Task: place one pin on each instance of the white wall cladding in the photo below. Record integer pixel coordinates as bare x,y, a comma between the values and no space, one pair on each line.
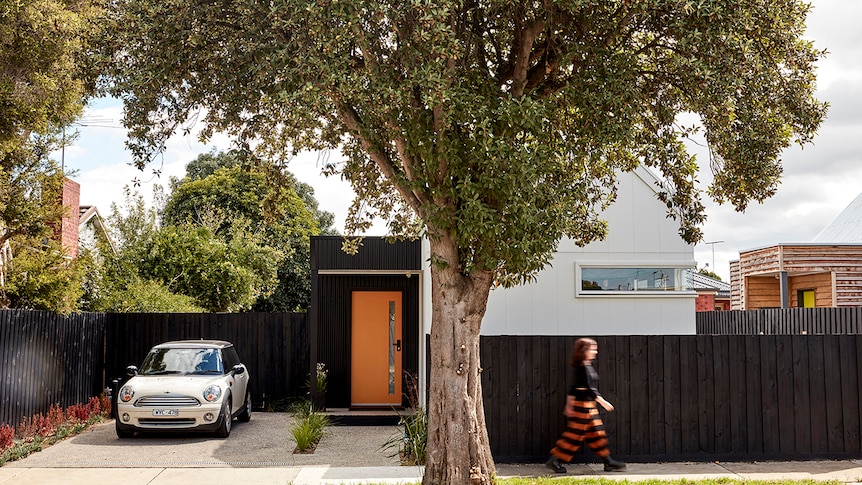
640,234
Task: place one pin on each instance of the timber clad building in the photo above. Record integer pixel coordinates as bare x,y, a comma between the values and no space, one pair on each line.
797,275
826,272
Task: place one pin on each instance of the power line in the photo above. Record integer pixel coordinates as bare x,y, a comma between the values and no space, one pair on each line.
87,122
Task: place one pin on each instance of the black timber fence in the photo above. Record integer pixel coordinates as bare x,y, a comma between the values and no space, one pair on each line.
49,358
721,397
688,397
274,346
781,321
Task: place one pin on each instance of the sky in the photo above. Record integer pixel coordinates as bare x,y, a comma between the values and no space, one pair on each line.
819,180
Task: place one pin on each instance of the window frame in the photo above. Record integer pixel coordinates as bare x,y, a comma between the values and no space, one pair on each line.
678,267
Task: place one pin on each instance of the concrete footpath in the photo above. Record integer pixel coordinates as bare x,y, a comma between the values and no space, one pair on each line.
261,452
849,472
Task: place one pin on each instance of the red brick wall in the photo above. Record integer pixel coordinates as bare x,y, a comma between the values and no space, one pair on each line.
704,303
69,224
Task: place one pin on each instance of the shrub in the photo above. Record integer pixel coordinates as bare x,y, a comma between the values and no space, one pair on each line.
410,446
308,427
7,437
41,430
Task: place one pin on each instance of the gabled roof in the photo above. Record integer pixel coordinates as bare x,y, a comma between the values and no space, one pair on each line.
89,215
847,227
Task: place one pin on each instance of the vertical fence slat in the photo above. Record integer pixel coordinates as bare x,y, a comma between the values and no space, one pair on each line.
673,394
639,438
834,415
784,376
817,391
655,384
705,394
722,402
849,395
689,382
801,396
623,395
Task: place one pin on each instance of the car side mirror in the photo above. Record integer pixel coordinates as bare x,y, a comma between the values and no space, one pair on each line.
238,369
131,371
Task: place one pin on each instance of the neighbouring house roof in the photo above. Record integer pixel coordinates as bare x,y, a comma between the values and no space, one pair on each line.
847,227
704,282
90,217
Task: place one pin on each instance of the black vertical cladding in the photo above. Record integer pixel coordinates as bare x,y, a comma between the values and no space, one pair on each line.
379,265
375,254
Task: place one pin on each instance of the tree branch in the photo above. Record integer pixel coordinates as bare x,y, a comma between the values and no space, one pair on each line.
351,119
522,49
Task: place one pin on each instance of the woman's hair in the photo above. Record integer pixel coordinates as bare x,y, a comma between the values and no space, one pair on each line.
579,351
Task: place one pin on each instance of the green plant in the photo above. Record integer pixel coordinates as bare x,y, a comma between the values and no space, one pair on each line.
320,378
309,426
410,446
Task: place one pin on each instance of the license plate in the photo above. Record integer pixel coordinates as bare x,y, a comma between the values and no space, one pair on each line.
166,412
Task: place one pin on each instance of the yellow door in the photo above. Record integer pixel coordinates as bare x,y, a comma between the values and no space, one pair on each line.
808,299
375,348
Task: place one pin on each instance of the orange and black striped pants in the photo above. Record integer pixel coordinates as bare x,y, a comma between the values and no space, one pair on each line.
584,426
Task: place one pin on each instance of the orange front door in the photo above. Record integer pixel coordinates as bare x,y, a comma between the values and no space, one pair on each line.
375,349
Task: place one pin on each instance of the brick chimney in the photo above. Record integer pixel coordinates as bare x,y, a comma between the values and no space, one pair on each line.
69,224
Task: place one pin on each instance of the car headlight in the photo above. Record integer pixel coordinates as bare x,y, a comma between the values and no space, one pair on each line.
212,393
126,394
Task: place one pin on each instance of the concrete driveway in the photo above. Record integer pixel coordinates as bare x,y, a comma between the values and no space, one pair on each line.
265,441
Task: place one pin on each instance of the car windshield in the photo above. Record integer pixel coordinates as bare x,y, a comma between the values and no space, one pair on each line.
182,361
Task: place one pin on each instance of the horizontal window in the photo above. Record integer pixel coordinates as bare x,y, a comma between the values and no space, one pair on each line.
614,279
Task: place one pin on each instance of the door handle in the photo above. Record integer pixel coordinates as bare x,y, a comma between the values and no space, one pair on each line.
397,345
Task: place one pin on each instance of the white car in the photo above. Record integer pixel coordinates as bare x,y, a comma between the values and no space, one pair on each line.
186,385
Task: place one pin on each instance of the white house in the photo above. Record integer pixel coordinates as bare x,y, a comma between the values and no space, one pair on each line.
631,283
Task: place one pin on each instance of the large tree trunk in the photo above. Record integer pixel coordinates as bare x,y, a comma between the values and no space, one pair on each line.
458,450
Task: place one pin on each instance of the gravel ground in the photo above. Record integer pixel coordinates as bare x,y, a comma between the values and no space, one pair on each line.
265,441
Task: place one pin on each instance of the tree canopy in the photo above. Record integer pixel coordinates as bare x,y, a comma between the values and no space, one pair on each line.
48,69
228,190
46,65
184,267
495,127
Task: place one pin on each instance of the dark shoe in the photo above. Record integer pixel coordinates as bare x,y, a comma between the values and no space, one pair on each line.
554,464
612,465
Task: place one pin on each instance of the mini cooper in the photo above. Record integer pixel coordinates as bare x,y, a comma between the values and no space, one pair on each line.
188,385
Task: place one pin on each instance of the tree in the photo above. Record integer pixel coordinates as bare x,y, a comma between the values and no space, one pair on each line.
30,202
228,190
707,272
41,276
112,282
47,71
221,275
494,127
47,65
188,268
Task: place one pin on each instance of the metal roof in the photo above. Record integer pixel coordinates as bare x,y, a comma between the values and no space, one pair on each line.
703,282
847,227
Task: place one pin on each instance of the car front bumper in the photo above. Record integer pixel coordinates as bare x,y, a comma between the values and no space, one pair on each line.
203,417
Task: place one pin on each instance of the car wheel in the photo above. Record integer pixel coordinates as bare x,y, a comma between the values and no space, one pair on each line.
122,432
245,415
223,430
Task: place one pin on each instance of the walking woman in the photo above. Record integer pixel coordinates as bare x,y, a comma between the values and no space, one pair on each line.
583,423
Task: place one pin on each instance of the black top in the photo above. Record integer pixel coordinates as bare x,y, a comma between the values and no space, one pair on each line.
586,384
